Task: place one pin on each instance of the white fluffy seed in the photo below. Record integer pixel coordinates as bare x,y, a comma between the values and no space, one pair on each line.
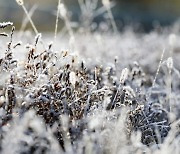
106,2
62,10
172,39
72,78
124,75
170,63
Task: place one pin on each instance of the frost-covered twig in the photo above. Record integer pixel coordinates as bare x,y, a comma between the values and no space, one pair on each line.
5,24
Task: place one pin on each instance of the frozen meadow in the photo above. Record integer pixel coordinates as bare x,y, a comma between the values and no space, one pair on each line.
89,88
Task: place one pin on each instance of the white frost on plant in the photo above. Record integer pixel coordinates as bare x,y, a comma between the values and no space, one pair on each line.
129,91
170,63
5,24
62,10
124,75
20,2
72,78
106,3
172,40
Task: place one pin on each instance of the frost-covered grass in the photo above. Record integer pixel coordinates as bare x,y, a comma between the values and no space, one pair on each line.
90,91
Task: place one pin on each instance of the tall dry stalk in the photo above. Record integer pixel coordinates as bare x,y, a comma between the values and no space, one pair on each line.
57,19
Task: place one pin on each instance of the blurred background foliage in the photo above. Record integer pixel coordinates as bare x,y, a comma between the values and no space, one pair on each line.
144,13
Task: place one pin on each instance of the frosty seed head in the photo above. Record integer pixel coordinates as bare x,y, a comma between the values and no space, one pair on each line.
172,39
170,63
62,10
124,75
20,2
106,2
72,78
129,91
37,38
